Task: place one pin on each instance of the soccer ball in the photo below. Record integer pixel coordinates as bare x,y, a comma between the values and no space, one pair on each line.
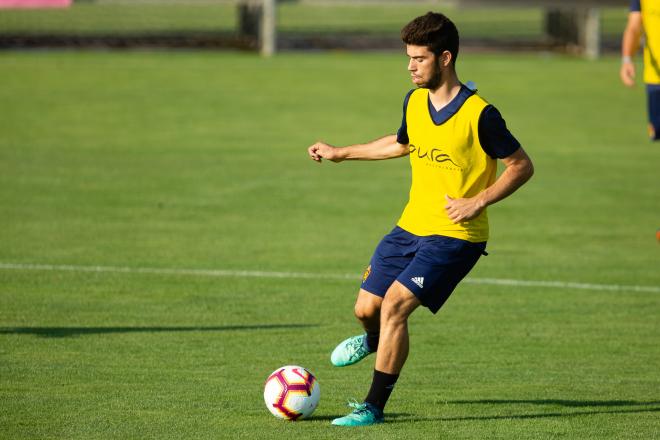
292,393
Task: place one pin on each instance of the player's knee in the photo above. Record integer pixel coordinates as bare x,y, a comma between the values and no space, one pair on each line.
392,312
365,311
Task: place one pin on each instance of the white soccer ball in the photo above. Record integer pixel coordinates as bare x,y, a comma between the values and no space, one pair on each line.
292,393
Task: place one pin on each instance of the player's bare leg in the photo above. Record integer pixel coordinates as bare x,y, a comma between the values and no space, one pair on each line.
367,310
393,347
395,309
356,348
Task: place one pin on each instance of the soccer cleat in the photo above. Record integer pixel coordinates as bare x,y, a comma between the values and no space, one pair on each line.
350,352
364,414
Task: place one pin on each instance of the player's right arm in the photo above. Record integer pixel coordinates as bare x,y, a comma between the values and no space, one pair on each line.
384,148
629,46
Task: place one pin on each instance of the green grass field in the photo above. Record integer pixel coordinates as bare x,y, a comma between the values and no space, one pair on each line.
126,172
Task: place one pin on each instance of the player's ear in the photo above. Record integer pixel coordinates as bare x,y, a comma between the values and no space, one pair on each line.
446,58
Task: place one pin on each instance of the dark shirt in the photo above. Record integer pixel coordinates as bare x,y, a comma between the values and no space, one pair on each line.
494,137
635,6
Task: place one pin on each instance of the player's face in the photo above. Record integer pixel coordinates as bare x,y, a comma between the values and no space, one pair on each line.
423,67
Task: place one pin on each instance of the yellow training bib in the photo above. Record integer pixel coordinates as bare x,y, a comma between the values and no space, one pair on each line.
445,159
651,22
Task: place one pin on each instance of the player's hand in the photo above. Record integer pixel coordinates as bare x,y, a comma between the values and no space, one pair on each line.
460,210
321,150
627,73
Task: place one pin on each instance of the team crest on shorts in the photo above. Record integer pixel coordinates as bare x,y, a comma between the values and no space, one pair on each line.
366,274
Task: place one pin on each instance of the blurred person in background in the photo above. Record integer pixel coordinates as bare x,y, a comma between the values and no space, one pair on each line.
644,19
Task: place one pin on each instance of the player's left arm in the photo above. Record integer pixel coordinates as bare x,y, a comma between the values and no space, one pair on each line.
386,147
629,46
519,169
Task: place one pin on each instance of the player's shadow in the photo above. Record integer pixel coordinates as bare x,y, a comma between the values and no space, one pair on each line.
64,332
560,402
588,407
599,407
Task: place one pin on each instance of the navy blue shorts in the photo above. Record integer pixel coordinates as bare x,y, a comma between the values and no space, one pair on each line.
430,267
653,98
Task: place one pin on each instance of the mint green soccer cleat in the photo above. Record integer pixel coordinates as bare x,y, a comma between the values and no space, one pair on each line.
351,351
364,414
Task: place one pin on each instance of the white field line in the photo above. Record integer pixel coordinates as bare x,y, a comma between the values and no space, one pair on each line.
309,275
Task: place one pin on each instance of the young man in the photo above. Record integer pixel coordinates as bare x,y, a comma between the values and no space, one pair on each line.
453,138
644,17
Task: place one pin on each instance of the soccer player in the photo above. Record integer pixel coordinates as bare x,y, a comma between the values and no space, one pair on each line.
453,138
644,18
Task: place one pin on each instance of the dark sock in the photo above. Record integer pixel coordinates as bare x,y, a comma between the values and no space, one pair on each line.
381,388
372,340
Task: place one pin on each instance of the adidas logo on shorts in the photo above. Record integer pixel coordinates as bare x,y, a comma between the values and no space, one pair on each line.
419,281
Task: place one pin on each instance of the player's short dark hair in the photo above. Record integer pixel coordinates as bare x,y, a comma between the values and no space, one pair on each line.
433,30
